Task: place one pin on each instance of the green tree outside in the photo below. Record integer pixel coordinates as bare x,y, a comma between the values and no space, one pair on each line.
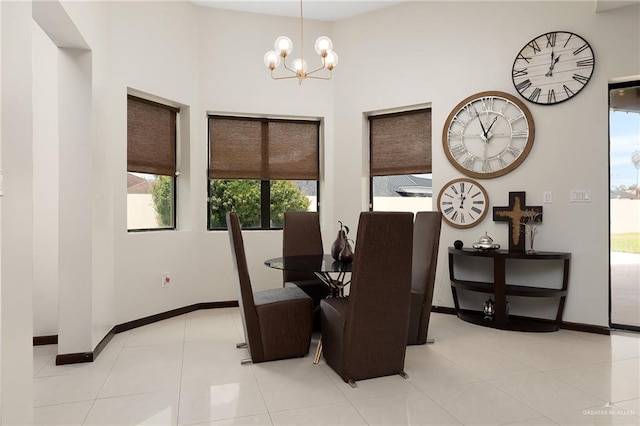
239,195
243,197
162,200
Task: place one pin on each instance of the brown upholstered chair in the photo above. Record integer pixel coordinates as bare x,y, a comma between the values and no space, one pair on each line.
277,322
426,240
365,335
300,237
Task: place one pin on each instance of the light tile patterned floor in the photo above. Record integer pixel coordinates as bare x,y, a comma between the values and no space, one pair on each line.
186,371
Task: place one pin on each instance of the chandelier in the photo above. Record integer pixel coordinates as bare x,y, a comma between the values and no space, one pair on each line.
283,47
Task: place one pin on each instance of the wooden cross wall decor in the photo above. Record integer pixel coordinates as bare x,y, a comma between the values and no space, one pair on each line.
517,214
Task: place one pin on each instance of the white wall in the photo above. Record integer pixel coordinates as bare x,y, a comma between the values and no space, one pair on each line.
211,61
441,52
410,54
45,184
16,214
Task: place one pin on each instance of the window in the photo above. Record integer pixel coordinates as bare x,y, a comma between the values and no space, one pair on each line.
261,168
400,161
151,165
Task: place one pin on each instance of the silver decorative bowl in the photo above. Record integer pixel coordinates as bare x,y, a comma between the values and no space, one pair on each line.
485,243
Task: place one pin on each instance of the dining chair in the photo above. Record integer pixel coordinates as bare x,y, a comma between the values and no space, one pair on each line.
426,241
301,236
365,334
276,322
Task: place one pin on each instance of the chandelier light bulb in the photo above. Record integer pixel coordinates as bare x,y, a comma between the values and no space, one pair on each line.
271,60
299,66
323,45
283,46
331,60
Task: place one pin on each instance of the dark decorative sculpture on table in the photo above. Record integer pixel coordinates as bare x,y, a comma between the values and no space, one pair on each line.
517,214
458,244
341,242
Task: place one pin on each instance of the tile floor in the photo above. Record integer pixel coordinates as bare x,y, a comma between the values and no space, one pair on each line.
186,371
625,288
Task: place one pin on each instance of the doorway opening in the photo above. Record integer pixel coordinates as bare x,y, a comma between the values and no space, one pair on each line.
624,205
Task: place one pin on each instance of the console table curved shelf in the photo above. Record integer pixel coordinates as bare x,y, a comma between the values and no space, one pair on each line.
500,290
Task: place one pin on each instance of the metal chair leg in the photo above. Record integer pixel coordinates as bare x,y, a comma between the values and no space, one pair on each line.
403,375
430,341
241,345
352,383
316,358
246,361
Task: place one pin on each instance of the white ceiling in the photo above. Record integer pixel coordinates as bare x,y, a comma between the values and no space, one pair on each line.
323,10
335,10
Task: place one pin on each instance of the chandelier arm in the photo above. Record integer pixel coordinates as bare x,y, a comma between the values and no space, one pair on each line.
283,78
316,70
284,63
320,78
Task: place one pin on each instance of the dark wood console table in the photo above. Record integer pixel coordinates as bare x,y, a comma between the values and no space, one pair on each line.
499,290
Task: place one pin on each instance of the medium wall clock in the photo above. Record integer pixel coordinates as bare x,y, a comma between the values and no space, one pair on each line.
463,203
553,67
488,134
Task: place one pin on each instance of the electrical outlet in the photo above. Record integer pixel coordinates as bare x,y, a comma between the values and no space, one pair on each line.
547,197
166,280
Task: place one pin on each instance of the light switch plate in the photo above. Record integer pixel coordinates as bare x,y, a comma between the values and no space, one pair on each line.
580,196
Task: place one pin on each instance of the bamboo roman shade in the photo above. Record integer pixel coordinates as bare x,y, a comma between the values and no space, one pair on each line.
264,149
151,137
400,143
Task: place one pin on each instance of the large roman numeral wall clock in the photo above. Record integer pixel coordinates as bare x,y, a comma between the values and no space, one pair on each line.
553,67
488,134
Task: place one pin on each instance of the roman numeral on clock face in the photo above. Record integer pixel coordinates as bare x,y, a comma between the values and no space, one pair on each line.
519,73
585,62
551,39
523,85
580,79
535,95
535,46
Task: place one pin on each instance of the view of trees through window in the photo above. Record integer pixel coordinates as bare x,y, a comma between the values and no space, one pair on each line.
149,201
245,197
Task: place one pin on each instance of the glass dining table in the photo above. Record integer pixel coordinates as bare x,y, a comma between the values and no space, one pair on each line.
332,272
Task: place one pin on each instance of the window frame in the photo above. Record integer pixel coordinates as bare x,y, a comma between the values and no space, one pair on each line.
174,180
374,116
265,184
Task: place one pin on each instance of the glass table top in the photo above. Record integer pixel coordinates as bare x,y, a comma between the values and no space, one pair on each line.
314,263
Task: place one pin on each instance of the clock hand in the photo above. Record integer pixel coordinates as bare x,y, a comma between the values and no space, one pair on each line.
484,132
553,64
489,129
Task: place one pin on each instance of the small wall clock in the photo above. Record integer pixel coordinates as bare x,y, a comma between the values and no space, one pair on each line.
553,67
463,203
488,134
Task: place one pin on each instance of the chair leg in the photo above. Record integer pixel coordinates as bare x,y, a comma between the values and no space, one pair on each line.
316,358
430,341
403,375
246,361
352,383
241,345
